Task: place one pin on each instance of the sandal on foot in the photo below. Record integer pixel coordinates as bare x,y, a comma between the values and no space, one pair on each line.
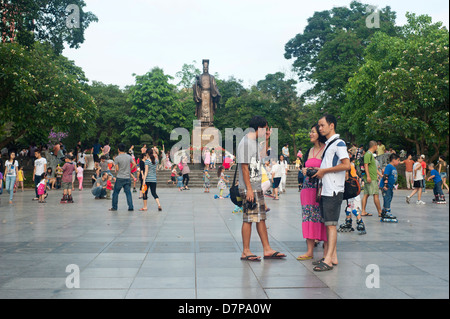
251,258
315,263
322,267
304,257
275,255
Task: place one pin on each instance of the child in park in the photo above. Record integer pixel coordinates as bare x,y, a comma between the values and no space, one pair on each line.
173,175
439,197
180,181
109,187
20,178
41,188
80,171
222,184
387,185
59,173
206,180
418,179
68,168
353,206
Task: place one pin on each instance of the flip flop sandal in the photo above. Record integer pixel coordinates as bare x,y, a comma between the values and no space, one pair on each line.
251,258
322,267
276,255
304,257
315,263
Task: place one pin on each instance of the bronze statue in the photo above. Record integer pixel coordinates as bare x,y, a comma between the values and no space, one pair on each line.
206,96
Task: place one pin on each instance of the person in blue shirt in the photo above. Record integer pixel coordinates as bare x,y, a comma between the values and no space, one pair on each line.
387,184
439,197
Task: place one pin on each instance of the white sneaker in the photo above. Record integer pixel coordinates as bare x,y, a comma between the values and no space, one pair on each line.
408,199
419,202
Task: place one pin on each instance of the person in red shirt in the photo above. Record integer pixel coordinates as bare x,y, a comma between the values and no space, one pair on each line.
409,163
424,172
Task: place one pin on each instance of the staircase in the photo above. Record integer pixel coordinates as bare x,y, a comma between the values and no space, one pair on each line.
195,178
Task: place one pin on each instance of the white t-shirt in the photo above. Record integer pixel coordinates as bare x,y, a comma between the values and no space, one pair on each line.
82,158
11,168
418,175
276,170
283,167
39,164
333,183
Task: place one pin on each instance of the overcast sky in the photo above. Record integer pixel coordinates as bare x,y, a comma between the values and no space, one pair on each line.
244,38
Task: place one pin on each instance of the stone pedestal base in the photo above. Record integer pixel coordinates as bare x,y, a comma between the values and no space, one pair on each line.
204,137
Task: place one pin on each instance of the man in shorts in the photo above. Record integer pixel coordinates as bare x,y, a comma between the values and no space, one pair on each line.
335,162
254,207
371,180
68,168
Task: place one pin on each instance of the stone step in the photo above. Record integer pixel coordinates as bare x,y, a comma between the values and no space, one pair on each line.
195,178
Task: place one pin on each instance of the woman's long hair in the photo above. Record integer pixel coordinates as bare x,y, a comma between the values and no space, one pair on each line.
322,139
151,155
220,170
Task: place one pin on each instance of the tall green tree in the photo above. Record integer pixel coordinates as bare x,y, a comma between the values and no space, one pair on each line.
40,91
57,22
285,105
330,51
403,88
155,107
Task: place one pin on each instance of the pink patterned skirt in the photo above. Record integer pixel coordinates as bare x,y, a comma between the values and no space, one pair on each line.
313,226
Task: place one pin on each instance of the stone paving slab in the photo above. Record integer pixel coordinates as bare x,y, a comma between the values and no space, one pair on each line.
191,250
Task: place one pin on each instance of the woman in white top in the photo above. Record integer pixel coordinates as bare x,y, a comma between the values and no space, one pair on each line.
11,172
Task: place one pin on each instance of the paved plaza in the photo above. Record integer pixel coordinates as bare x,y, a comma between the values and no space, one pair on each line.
192,249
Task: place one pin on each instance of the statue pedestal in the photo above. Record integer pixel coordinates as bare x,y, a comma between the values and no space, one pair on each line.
204,137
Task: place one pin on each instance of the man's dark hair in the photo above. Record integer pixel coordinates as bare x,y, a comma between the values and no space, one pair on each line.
330,119
393,157
257,122
121,147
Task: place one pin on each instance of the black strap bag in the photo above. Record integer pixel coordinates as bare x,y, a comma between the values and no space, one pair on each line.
234,191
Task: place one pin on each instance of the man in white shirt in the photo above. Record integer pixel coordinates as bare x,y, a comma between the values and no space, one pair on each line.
335,162
40,166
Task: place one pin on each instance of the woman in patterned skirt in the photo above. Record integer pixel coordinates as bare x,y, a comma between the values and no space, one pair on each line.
313,227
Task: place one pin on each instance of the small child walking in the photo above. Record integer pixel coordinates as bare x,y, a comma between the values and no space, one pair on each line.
80,171
41,188
439,197
109,187
206,180
180,181
387,185
222,184
20,178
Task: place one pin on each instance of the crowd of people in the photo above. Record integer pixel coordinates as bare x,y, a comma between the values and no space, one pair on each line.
322,174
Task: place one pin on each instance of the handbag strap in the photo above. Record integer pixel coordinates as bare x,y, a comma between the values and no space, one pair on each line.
234,179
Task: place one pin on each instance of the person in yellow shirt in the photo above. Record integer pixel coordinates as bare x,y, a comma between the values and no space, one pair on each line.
381,149
20,178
